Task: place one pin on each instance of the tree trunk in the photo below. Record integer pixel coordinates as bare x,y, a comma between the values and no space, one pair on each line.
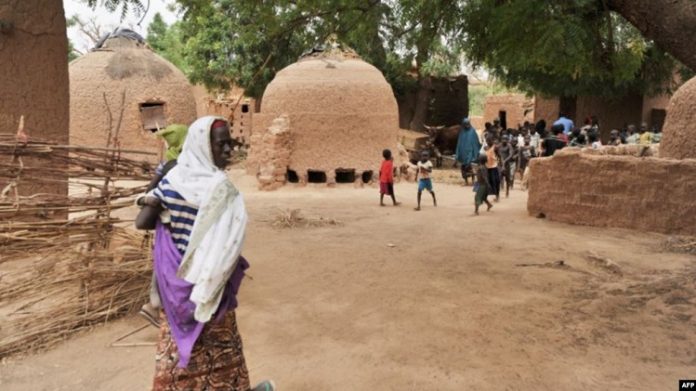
670,23
420,113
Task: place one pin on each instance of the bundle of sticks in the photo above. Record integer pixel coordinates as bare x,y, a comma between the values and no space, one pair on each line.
67,262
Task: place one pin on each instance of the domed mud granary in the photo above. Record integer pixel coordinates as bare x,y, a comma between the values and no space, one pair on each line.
324,119
679,139
122,75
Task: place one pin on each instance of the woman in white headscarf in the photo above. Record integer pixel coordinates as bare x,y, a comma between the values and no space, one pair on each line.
200,221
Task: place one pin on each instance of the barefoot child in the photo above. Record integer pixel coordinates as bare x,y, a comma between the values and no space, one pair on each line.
482,185
386,178
492,156
425,167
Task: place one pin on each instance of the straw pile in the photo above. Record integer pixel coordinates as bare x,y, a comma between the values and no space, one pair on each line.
79,268
293,218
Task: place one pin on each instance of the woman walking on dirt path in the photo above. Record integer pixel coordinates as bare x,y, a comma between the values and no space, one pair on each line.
199,267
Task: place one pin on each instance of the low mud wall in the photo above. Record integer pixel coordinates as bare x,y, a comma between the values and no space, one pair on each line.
648,193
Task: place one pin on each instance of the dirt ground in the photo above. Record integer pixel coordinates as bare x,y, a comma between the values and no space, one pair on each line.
393,299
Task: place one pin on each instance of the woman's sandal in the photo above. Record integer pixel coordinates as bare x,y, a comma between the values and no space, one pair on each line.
146,311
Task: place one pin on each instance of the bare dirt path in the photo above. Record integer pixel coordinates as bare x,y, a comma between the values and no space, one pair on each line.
393,299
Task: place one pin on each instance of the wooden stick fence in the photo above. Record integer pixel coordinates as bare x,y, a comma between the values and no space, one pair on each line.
83,265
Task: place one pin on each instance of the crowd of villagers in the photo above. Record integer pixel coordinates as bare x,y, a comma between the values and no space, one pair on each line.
497,155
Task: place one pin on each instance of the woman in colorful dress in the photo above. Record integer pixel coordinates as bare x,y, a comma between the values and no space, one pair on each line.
200,221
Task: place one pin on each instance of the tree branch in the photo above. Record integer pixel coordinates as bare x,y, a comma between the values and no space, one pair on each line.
671,24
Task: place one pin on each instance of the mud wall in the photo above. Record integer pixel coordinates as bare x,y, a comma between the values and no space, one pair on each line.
612,114
98,82
240,115
272,155
514,106
546,109
34,73
679,139
342,114
449,100
649,194
650,103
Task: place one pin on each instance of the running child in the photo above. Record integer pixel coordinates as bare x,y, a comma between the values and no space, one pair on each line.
491,150
482,186
386,178
424,169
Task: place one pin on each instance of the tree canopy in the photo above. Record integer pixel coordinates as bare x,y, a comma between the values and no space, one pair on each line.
168,42
247,42
574,47
566,48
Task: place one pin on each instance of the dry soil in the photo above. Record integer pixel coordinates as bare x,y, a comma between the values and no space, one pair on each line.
394,299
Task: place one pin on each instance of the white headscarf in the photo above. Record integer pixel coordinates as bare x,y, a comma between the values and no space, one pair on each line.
218,232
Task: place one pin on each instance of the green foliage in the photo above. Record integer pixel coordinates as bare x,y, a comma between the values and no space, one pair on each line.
72,54
167,41
479,92
565,48
247,42
135,6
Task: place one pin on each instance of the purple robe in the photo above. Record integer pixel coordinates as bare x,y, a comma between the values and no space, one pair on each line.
174,294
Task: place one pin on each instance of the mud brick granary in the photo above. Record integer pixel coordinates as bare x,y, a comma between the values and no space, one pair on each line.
124,76
324,119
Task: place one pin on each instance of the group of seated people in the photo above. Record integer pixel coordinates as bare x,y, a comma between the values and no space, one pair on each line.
516,147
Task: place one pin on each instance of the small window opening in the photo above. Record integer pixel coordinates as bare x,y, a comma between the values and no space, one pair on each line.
367,176
345,176
292,176
152,116
245,108
316,176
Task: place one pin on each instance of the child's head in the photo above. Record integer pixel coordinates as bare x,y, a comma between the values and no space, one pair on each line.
386,154
582,140
513,142
483,159
527,140
643,127
614,134
425,156
504,140
593,137
490,141
557,129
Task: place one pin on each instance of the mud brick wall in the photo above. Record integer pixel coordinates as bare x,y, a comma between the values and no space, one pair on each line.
514,106
98,81
34,75
273,147
648,194
342,114
679,139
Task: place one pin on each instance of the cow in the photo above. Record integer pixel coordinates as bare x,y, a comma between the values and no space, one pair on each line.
444,137
442,141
